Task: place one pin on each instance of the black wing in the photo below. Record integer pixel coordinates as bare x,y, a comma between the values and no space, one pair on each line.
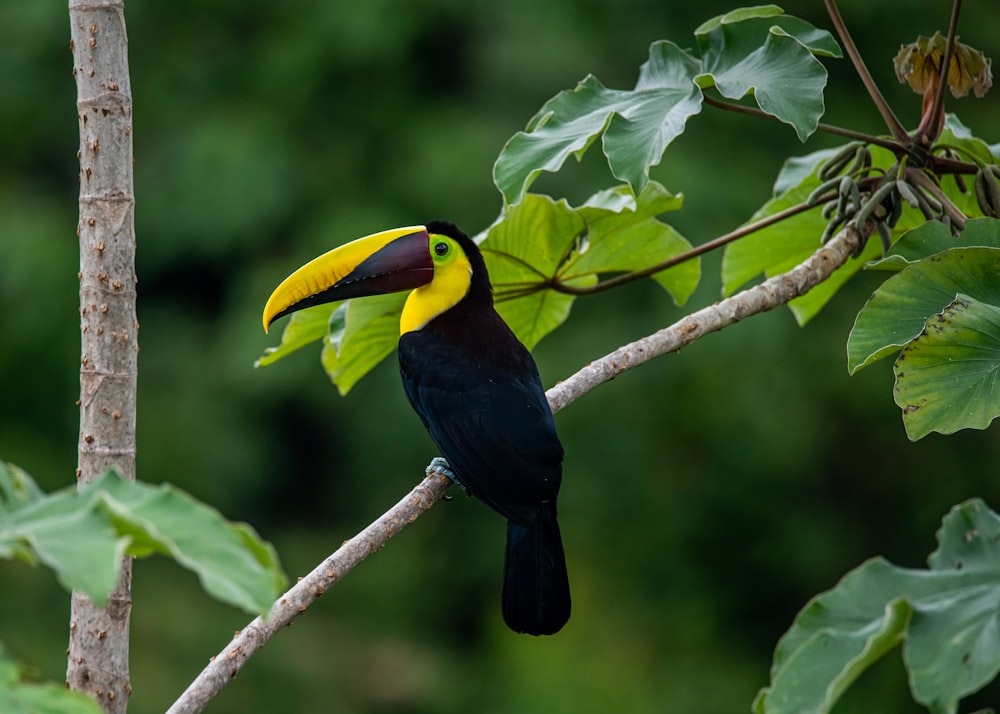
489,418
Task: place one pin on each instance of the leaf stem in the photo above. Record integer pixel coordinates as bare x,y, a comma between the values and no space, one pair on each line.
559,286
890,144
894,125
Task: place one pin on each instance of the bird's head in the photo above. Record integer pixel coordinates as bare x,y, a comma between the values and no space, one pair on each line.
439,263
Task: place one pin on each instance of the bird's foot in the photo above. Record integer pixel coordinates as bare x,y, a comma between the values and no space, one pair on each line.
440,465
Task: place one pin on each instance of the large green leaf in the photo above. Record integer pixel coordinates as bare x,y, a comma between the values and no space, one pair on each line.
899,309
932,237
754,50
611,232
363,333
304,327
947,378
20,697
637,125
82,535
771,57
233,564
945,617
62,531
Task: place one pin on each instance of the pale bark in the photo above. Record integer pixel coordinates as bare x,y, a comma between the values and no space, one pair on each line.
768,295
99,637
225,665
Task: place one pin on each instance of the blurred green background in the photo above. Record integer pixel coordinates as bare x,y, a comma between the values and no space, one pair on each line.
707,496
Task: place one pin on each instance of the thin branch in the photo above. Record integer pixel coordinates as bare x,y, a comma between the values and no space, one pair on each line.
225,665
766,296
890,144
895,127
562,287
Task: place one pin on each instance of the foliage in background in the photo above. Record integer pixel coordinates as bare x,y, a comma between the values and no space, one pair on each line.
423,116
950,380
944,618
82,536
18,696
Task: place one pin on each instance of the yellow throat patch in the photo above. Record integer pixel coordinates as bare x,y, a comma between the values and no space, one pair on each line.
452,278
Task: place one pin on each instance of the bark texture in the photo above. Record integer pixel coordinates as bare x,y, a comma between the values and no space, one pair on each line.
99,637
225,665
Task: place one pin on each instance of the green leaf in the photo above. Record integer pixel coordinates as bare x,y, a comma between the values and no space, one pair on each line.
738,15
83,535
611,232
899,309
638,125
364,332
947,378
958,135
753,50
772,57
232,563
932,237
945,617
65,533
19,697
304,327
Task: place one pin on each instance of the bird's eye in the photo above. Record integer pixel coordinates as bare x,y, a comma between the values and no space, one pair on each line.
441,249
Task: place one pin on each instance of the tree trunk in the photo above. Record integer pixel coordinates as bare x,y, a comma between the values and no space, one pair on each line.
99,637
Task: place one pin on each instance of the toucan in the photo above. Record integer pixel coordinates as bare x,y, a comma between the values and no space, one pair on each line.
475,387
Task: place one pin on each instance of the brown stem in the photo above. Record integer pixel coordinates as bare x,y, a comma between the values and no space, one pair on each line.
561,287
895,127
890,144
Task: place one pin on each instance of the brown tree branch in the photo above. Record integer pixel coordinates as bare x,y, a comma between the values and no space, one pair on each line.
225,665
99,637
766,296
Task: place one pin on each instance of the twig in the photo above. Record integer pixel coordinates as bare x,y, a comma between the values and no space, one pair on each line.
768,295
894,125
890,144
560,286
225,665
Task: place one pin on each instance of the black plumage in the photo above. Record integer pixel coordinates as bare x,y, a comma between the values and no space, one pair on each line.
477,390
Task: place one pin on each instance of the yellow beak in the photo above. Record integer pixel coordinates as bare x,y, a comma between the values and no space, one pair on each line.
386,262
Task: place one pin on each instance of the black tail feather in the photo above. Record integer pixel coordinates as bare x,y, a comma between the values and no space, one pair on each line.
536,597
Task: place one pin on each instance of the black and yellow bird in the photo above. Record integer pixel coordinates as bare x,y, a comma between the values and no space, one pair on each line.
475,387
